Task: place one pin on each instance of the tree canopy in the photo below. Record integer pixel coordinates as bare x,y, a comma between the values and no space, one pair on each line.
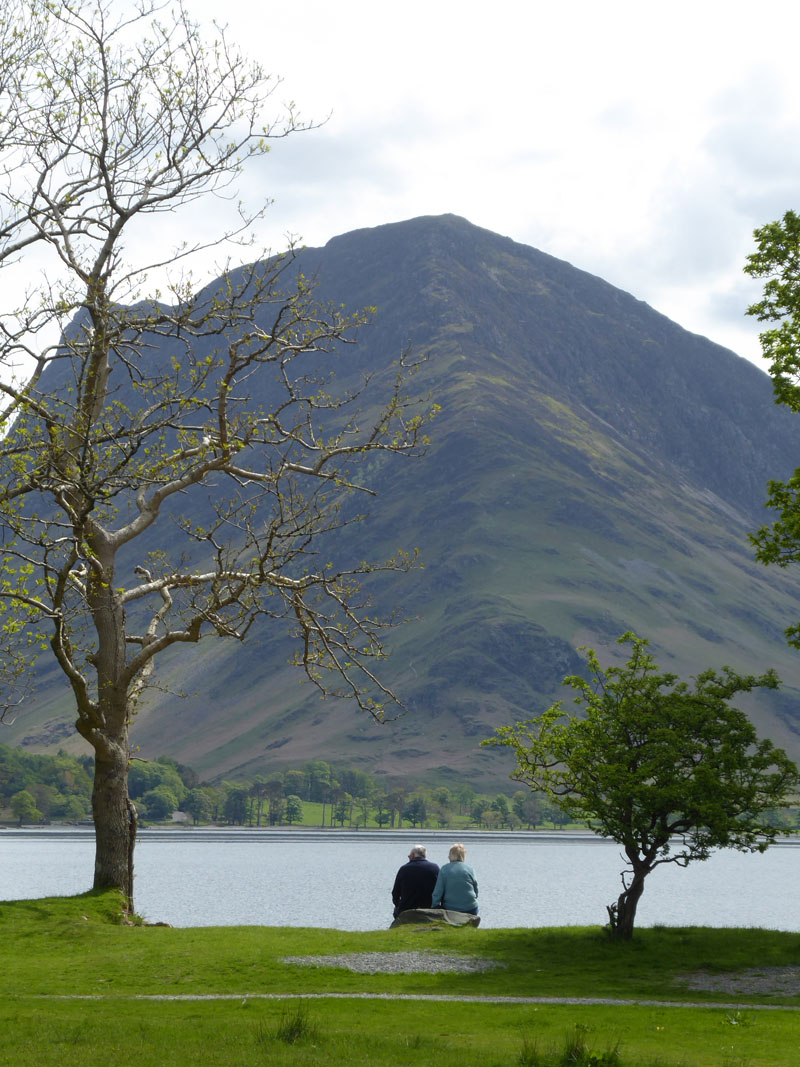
174,454
668,770
777,260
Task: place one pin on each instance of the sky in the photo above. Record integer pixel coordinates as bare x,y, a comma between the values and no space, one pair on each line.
641,142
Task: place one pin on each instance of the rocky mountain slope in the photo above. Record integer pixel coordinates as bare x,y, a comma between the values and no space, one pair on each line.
595,468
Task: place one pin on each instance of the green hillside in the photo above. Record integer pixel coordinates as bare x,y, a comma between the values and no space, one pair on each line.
594,468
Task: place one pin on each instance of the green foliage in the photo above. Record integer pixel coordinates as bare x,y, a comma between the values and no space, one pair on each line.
416,810
501,806
357,783
61,784
294,809
777,260
143,777
198,805
669,771
236,805
479,806
23,805
528,807
73,809
159,803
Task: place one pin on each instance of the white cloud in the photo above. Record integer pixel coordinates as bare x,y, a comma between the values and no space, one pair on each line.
641,142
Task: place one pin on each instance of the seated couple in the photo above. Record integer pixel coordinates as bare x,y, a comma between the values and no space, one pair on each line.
421,884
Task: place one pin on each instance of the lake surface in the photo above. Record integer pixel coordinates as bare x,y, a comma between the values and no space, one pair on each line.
344,879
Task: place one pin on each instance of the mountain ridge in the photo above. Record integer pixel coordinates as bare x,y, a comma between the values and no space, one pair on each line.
595,468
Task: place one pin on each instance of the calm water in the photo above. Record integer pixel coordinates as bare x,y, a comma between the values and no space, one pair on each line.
343,880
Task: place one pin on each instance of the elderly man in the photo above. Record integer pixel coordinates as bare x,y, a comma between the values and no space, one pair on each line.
414,883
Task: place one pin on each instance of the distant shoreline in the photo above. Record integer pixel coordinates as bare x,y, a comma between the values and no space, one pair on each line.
311,833
305,833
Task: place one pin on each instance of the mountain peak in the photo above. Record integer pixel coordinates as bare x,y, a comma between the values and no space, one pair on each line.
595,469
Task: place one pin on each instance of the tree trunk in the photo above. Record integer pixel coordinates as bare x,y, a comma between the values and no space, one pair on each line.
114,820
622,913
107,727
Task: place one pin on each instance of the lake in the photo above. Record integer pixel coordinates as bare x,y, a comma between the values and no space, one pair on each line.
343,880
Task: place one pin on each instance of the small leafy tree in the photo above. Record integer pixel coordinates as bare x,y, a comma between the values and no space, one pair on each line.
215,796
294,809
342,808
45,797
416,810
276,799
159,803
235,808
381,809
23,806
396,801
197,805
670,772
501,806
528,807
363,806
73,809
294,784
465,795
318,781
259,790
479,807
144,777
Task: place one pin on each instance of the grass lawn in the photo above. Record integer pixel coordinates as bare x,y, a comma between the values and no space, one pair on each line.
55,953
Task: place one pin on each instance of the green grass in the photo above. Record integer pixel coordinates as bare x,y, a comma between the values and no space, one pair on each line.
354,1033
54,950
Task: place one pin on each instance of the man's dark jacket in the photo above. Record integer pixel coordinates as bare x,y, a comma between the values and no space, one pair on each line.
413,886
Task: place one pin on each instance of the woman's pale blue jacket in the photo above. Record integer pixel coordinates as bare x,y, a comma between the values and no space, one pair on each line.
456,888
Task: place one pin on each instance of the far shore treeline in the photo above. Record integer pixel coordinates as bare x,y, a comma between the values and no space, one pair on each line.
36,789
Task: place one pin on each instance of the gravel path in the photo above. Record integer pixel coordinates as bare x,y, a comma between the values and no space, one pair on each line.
783,981
779,980
399,962
614,1002
765,980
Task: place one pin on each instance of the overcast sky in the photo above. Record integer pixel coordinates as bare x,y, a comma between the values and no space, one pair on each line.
642,142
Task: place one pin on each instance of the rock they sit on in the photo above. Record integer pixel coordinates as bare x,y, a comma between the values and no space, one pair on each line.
422,916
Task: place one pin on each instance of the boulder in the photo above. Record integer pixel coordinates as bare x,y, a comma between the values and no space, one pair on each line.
424,916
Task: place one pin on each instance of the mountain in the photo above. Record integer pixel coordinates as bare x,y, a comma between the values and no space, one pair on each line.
595,468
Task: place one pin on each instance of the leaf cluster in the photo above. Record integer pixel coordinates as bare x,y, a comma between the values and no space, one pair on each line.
777,261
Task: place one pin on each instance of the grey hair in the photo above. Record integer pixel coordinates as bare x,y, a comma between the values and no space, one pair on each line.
457,854
419,850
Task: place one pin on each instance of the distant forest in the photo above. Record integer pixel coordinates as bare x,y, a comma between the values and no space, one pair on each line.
40,789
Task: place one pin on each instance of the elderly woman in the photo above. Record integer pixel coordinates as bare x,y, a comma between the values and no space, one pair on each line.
456,886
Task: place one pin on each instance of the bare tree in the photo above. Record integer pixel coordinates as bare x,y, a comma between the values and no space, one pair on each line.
171,459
